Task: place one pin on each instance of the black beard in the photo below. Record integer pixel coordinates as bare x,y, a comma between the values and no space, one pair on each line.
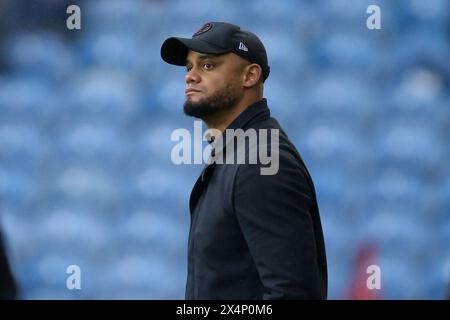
218,103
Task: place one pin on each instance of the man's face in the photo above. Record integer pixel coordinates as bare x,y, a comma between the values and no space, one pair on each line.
213,83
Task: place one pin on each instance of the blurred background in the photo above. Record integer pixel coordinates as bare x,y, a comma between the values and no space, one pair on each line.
86,116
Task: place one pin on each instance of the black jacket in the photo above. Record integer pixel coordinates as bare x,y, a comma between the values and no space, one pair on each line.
256,236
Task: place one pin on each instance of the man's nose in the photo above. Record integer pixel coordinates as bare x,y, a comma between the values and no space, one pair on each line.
192,76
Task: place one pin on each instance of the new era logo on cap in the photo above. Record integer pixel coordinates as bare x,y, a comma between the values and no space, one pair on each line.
242,47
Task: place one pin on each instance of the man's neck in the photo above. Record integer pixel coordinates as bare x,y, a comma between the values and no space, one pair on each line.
222,121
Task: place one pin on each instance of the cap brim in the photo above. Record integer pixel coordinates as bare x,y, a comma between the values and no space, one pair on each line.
174,50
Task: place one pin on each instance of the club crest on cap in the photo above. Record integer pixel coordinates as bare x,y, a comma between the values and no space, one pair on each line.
206,27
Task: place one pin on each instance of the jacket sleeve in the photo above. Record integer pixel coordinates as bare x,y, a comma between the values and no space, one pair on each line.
274,213
8,289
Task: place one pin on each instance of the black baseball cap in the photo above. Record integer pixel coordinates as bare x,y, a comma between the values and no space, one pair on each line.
217,38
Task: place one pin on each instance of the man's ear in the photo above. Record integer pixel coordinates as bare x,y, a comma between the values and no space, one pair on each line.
252,74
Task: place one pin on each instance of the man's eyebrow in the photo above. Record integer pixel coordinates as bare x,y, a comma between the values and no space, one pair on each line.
204,57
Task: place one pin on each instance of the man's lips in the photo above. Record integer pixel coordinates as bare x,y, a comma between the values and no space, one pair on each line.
187,91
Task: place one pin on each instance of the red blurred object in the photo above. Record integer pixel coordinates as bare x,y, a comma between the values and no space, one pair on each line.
359,290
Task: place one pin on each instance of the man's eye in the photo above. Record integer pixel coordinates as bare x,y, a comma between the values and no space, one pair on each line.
188,68
208,66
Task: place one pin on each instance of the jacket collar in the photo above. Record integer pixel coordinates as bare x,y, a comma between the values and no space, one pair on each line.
254,113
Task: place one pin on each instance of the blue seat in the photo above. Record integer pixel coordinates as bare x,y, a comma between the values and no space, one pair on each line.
44,54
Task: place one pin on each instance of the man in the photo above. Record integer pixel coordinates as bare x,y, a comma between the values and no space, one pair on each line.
252,235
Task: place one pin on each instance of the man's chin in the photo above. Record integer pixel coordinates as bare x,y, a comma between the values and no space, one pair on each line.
194,108
204,107
192,100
